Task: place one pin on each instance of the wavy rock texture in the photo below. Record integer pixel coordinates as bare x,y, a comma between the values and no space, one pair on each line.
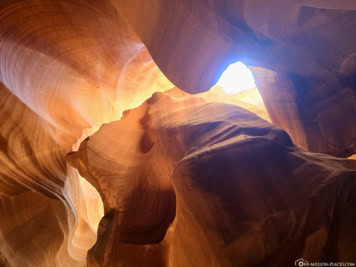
309,45
62,64
185,182
250,100
312,117
67,67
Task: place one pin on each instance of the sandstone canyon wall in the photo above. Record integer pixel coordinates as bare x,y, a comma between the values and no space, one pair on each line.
177,180
210,184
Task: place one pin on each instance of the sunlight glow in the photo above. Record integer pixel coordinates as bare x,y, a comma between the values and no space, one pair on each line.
236,78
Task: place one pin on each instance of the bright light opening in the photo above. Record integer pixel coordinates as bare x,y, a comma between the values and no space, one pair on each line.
236,78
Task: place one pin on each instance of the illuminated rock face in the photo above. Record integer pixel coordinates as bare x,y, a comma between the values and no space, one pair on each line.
67,67
186,182
320,119
307,46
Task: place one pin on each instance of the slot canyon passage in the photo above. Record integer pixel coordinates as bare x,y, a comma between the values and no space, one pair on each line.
119,145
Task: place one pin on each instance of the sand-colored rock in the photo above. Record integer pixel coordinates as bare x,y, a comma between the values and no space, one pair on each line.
64,66
319,119
67,67
38,222
186,182
311,44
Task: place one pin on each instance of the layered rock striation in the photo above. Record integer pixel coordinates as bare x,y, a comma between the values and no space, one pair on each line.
67,67
185,182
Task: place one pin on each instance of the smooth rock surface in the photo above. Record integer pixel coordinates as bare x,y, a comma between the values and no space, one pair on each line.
67,67
309,44
185,182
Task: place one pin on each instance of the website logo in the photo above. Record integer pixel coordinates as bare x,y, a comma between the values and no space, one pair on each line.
301,262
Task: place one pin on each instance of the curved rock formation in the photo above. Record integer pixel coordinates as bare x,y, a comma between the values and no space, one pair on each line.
67,67
186,182
310,44
64,66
